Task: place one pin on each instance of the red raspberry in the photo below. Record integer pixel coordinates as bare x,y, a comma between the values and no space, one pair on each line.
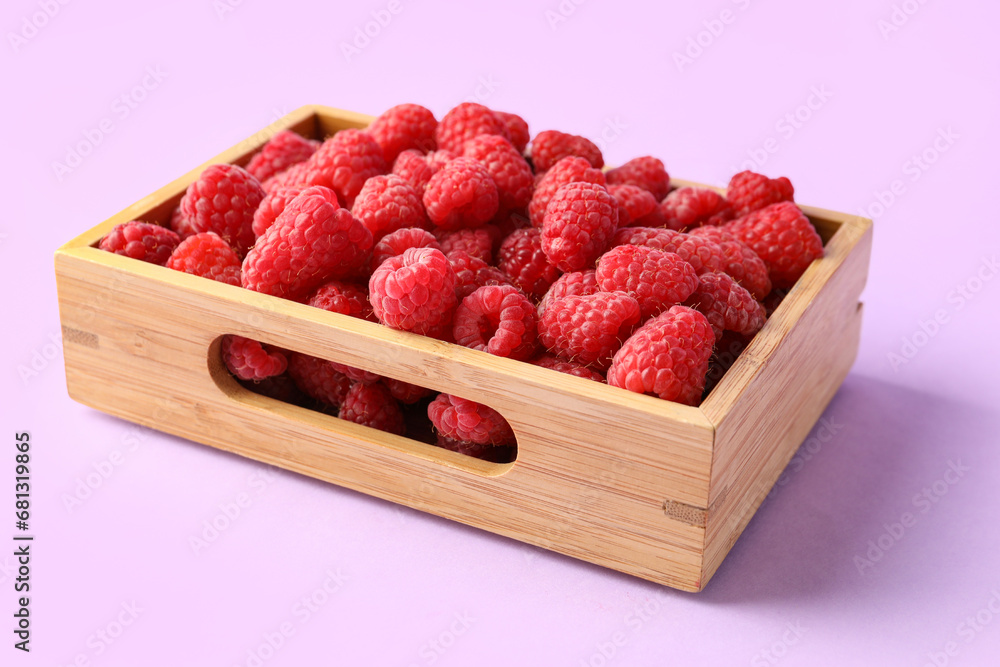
141,240
388,203
208,256
283,150
517,127
522,260
372,405
740,261
577,283
579,222
550,146
418,168
477,242
783,237
404,392
471,273
700,253
296,176
414,291
180,224
645,172
589,329
654,218
250,360
460,419
343,163
634,203
466,121
506,167
279,387
667,357
567,170
310,242
398,241
345,298
318,378
275,202
654,278
748,192
461,194
223,200
507,222
727,305
487,452
569,367
404,127
688,207
497,319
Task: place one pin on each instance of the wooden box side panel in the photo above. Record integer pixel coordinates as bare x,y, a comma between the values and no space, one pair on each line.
600,471
769,401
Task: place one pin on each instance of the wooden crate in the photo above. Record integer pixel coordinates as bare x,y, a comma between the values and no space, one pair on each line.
648,487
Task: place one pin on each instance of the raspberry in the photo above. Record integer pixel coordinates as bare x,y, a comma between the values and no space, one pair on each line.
569,367
739,260
404,127
296,176
414,291
783,237
477,242
141,240
577,283
667,357
522,260
505,166
700,253
688,207
275,202
471,273
404,392
388,203
310,242
279,387
208,256
466,121
345,298
318,379
579,222
372,405
567,170
517,127
418,169
460,419
550,146
748,192
501,454
283,150
461,194
645,172
398,241
180,224
589,329
223,200
250,360
654,278
343,163
634,203
497,319
727,305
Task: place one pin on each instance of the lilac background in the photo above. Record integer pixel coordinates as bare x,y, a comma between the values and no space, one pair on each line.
791,587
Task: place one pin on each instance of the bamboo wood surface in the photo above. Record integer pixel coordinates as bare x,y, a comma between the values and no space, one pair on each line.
645,486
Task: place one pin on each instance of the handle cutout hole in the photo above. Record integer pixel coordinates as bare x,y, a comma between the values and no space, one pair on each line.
379,403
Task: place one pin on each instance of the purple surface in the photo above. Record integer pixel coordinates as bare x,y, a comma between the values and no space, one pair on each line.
411,589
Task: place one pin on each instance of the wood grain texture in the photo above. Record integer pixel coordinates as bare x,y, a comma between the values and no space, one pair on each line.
644,486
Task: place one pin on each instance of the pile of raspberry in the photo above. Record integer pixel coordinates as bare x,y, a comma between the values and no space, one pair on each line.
470,231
